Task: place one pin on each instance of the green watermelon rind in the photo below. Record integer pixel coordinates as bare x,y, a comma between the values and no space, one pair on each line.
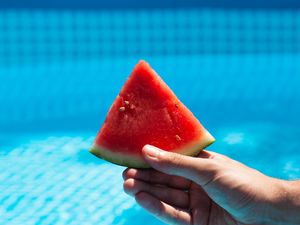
134,161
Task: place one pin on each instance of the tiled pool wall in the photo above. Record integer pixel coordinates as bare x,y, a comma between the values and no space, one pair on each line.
58,67
43,35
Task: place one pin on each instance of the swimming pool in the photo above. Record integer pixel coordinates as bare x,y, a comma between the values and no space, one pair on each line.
53,103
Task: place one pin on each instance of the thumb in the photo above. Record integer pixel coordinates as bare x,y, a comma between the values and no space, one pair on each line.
199,170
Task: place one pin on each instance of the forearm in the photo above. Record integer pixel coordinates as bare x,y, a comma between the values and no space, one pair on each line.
286,206
293,206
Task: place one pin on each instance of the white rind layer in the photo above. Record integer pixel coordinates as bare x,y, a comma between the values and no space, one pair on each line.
134,161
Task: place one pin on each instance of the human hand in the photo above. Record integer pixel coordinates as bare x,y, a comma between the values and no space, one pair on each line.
210,190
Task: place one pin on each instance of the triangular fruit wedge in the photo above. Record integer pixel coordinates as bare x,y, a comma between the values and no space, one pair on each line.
147,112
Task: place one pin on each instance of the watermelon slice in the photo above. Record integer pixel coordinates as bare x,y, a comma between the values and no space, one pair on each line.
147,112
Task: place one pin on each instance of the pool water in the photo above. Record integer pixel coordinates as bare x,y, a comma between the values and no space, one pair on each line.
52,104
49,177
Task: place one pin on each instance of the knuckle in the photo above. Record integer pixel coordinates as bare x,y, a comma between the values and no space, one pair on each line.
161,209
176,159
176,215
171,161
127,186
212,171
215,169
214,166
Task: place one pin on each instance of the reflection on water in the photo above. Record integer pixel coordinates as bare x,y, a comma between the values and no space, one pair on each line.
269,147
54,179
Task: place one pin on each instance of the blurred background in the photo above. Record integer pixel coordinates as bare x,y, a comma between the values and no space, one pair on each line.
235,64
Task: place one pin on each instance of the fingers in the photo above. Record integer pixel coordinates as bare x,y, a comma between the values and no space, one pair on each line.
156,177
200,204
169,195
162,210
200,170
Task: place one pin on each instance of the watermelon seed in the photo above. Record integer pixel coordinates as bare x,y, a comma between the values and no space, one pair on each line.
177,137
176,105
122,109
126,102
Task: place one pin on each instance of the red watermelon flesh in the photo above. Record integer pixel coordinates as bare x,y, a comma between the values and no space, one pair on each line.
147,112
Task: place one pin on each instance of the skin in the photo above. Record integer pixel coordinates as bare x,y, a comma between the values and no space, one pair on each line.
211,189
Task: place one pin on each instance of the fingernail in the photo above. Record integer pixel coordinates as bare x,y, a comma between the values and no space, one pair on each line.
150,151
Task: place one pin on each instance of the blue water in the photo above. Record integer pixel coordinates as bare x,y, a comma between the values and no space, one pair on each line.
241,79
